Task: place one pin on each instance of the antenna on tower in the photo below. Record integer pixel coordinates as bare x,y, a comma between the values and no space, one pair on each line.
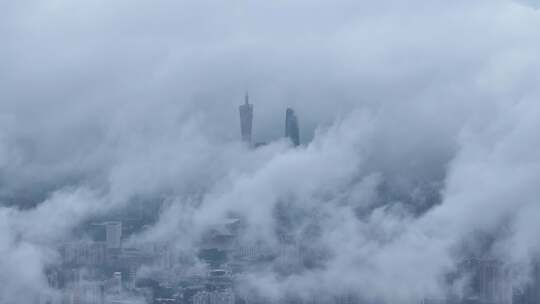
247,97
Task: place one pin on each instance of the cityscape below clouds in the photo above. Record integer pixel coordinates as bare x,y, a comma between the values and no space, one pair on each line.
269,152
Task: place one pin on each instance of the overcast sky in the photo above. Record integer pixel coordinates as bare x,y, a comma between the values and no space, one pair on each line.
435,102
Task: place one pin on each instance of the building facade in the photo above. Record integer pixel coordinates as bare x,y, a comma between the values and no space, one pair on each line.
291,127
246,120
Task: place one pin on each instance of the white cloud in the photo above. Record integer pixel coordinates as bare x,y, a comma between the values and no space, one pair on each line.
134,98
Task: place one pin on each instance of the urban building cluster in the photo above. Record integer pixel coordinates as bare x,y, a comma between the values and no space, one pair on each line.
103,267
491,281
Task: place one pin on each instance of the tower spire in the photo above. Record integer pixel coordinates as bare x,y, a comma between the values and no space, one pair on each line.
246,120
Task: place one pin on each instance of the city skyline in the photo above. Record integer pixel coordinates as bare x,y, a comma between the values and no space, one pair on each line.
386,152
292,130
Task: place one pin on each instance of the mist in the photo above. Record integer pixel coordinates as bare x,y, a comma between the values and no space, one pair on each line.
417,125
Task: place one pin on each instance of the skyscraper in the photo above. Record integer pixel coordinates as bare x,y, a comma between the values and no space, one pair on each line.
291,127
113,235
246,120
490,281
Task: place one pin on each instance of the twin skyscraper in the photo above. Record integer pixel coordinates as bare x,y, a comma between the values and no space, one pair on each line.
292,131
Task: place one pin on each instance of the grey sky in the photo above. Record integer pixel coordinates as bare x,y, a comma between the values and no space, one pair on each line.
101,101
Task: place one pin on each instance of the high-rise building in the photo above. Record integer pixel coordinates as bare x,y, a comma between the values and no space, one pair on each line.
83,253
529,293
116,283
225,296
490,281
246,120
113,231
291,127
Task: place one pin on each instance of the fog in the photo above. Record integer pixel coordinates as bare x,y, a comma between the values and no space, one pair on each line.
418,124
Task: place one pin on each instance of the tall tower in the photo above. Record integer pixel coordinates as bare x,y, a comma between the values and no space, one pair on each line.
246,120
291,127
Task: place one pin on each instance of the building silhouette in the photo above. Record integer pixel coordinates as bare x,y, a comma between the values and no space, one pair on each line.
291,127
113,234
489,281
530,292
246,120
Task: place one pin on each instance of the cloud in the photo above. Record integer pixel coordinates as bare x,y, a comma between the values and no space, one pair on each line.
419,120
532,3
29,240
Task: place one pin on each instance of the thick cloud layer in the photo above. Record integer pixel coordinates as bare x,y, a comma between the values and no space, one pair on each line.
418,119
